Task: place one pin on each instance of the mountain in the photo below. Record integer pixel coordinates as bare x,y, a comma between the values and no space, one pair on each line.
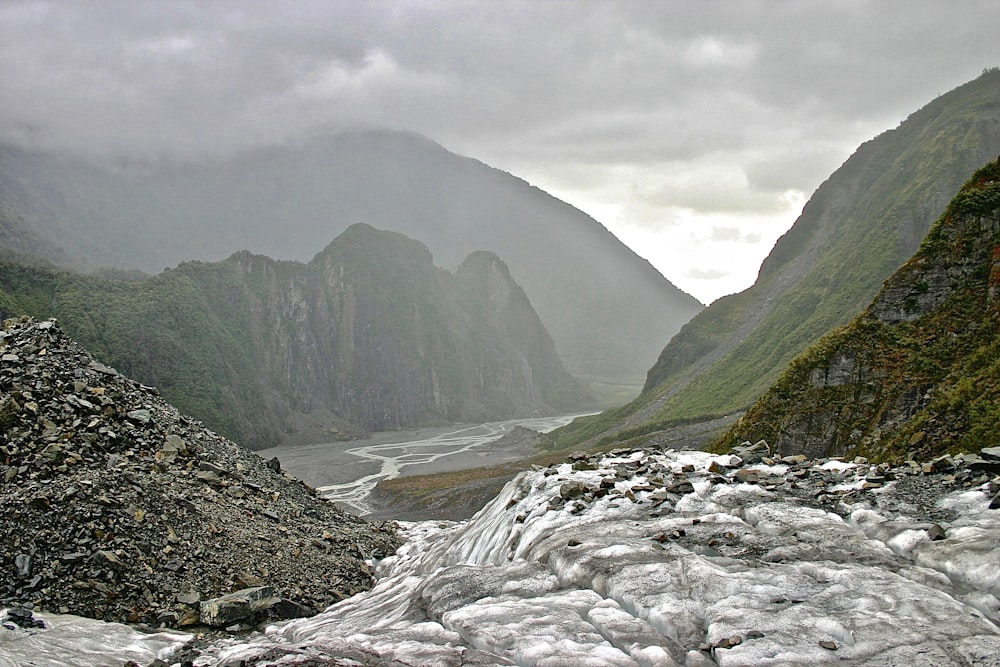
607,310
367,336
19,243
918,373
857,228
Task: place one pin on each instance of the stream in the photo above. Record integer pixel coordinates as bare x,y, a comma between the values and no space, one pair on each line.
348,476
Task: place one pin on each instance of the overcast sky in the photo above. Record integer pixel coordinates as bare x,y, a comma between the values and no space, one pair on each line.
695,131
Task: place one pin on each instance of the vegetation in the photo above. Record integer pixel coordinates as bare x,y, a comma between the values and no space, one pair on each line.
918,373
369,336
858,227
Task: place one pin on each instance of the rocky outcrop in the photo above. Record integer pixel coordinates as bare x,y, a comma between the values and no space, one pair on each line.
918,372
118,507
368,336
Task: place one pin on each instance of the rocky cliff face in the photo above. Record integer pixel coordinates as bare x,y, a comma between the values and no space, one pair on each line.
918,373
369,335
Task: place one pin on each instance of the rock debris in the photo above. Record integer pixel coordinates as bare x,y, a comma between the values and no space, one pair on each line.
117,507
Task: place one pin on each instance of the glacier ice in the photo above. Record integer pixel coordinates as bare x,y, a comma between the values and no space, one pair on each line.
653,559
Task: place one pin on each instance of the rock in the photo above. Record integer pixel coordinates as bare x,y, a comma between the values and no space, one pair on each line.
172,447
22,563
222,611
936,532
23,618
142,416
287,609
995,503
189,598
990,453
716,468
828,644
105,513
942,463
752,453
573,490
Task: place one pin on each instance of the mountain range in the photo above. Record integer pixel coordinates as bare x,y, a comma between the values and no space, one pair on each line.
608,311
367,336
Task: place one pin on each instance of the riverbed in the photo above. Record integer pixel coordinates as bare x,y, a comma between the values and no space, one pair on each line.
347,472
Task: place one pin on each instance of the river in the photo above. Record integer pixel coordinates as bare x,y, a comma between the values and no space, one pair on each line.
347,472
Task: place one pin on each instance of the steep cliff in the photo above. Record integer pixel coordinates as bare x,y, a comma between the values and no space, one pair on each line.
918,372
369,335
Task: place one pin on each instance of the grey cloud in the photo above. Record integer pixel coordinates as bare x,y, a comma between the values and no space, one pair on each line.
799,167
733,234
706,274
585,81
716,187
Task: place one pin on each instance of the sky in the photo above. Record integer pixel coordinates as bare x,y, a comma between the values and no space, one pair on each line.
695,131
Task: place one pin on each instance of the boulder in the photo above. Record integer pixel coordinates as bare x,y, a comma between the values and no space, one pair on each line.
222,611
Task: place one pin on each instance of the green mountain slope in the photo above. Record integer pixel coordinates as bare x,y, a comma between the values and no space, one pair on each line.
368,336
920,368
607,310
858,227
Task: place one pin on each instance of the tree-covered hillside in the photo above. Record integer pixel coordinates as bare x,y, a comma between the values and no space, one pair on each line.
607,309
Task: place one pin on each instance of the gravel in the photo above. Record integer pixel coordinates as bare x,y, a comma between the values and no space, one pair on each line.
117,507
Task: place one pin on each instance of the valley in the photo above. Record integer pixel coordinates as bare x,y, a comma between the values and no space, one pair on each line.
346,473
228,462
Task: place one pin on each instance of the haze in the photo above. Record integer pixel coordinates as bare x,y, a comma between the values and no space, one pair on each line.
693,131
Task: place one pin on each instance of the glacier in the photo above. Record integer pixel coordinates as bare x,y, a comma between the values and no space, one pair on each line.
645,558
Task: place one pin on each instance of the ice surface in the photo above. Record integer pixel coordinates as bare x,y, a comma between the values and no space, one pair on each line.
72,640
644,561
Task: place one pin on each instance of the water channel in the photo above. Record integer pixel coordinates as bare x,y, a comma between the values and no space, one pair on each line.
346,473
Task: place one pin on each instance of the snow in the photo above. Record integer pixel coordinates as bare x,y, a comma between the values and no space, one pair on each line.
725,574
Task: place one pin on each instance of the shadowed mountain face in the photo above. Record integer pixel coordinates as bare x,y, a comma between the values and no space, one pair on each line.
608,310
859,226
368,336
919,370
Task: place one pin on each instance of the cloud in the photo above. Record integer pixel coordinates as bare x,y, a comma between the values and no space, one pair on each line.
612,82
706,274
724,234
640,111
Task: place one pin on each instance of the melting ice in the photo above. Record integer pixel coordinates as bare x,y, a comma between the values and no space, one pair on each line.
651,559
